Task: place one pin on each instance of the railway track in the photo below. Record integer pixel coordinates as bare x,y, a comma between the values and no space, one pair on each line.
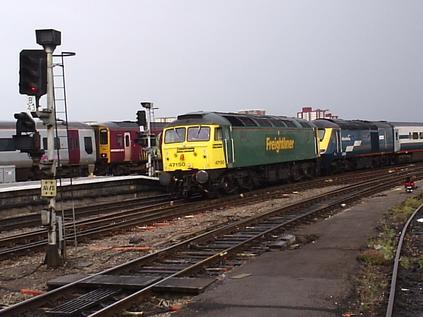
404,231
153,209
110,292
34,220
149,212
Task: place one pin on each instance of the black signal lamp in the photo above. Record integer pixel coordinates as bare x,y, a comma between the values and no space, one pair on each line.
33,72
48,37
24,123
147,105
141,118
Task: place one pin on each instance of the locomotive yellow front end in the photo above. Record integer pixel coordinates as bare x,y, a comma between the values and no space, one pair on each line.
189,152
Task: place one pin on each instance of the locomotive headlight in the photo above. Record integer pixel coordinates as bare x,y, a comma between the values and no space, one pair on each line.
201,177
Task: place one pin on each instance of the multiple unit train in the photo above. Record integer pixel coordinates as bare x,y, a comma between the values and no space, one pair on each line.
109,148
211,152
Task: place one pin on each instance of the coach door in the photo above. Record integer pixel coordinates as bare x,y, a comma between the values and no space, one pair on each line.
374,140
127,146
338,141
397,145
73,147
228,143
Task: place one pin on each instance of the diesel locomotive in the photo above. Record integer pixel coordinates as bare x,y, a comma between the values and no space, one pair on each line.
356,144
215,152
212,152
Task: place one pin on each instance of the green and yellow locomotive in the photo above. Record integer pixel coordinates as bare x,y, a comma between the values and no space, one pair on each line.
211,152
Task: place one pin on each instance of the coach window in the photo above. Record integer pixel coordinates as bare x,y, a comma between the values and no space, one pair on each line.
415,135
126,140
198,134
175,135
56,143
7,145
421,135
119,140
218,134
88,144
103,136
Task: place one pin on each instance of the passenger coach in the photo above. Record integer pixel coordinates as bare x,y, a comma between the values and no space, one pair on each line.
118,151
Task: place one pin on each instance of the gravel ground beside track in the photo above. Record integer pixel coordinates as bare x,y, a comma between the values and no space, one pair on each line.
312,280
110,251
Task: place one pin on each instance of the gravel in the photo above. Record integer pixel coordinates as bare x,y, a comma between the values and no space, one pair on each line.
28,272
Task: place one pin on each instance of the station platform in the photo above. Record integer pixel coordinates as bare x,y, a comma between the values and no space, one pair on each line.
27,195
314,280
18,186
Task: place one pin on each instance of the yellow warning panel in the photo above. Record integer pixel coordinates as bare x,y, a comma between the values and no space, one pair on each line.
48,188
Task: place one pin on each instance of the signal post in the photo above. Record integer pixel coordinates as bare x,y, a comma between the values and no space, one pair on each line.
36,79
49,39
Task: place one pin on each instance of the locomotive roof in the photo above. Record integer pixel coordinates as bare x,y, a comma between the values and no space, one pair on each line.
240,119
324,123
201,117
351,124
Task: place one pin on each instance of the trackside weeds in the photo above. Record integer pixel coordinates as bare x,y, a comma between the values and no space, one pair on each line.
371,287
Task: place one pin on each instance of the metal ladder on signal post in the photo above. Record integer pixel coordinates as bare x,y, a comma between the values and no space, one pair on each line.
61,120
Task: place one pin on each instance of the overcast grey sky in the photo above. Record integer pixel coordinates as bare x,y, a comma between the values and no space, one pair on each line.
360,58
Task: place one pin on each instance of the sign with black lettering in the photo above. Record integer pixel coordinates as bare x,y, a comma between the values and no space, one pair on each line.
48,188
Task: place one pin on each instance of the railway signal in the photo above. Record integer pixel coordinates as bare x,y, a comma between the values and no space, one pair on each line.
24,123
27,139
33,72
141,118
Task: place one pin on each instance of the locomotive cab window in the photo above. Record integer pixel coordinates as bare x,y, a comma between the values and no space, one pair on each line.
88,145
321,133
175,135
103,136
198,133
